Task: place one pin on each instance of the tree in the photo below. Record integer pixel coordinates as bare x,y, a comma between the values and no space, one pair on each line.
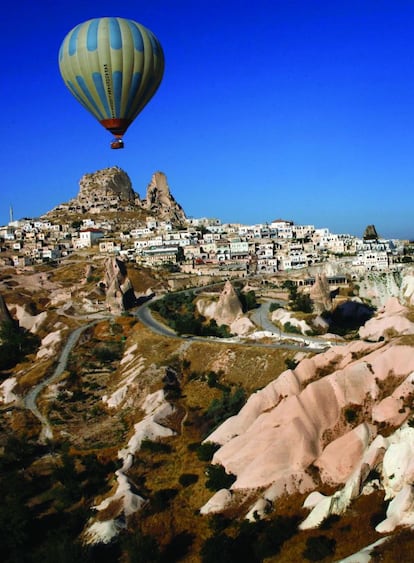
297,301
228,405
217,478
76,225
206,451
303,303
14,519
141,548
15,344
319,547
217,549
248,300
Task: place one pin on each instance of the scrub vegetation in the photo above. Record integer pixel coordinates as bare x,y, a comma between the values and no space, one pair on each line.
179,312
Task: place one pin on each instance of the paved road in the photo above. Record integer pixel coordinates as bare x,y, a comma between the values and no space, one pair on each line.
31,398
260,317
143,313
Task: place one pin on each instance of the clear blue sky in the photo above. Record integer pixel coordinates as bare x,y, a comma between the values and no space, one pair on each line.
294,109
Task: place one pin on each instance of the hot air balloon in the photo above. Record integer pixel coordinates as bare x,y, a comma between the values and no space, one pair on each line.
113,67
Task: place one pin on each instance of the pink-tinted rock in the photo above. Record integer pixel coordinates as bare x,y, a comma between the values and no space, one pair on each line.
298,422
390,321
274,434
341,456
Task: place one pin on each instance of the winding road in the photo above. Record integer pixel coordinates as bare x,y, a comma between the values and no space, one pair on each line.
259,317
143,313
30,399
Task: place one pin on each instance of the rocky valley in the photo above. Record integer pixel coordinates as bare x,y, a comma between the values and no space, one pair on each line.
170,413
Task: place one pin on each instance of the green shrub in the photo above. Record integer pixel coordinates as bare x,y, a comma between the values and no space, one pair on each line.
253,541
291,364
218,523
178,310
228,405
161,499
110,352
205,451
141,548
187,479
273,534
217,549
302,303
289,327
217,478
156,447
247,300
178,547
15,344
319,547
297,301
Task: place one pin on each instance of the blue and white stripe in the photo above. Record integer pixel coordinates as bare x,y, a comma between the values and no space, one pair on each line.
113,66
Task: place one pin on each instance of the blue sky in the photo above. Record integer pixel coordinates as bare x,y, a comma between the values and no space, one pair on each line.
294,109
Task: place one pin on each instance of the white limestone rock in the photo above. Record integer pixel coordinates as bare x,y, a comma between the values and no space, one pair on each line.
218,502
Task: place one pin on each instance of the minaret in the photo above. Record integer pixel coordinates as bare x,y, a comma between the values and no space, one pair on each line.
11,214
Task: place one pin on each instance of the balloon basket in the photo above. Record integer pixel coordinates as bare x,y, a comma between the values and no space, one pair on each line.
117,144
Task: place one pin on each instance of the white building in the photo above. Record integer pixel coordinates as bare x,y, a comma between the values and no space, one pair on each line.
284,229
372,260
239,248
87,238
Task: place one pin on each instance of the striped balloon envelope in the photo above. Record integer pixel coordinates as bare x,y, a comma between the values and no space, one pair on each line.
113,67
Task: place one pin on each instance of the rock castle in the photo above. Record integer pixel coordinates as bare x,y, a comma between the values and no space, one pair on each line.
110,190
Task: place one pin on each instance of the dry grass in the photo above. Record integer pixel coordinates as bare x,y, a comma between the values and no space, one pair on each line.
91,428
78,409
158,471
407,340
32,372
23,424
400,547
143,279
352,531
248,366
154,471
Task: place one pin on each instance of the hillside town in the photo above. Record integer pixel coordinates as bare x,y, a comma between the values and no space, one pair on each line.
201,245
191,388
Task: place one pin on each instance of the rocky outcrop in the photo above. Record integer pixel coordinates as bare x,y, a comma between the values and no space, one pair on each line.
282,317
160,202
26,320
120,294
320,294
391,320
228,307
5,315
406,294
323,422
110,190
370,233
227,310
378,287
104,184
124,501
